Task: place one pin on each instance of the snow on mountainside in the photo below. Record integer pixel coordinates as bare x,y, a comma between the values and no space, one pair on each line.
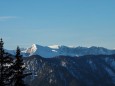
56,50
54,46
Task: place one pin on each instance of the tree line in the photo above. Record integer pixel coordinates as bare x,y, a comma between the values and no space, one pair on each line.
11,68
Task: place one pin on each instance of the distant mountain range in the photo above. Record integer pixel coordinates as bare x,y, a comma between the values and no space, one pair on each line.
68,66
55,50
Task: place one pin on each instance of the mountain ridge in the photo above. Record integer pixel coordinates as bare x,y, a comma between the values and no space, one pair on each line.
56,50
90,70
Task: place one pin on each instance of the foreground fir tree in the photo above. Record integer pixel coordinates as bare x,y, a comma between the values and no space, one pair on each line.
1,64
11,70
19,70
6,70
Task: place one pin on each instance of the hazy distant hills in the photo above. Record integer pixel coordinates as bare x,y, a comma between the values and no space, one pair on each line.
55,50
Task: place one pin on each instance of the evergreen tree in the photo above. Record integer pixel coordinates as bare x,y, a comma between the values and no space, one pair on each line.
1,63
11,71
6,71
19,68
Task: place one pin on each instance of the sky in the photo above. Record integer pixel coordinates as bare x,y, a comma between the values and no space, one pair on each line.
61,22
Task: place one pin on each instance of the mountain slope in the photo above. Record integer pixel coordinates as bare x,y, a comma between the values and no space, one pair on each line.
90,70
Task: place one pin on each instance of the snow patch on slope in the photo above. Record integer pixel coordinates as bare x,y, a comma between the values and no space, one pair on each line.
54,46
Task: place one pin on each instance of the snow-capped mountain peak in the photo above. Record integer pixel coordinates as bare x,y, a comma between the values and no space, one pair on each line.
56,50
32,49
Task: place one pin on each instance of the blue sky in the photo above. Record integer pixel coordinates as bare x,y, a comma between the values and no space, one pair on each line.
63,22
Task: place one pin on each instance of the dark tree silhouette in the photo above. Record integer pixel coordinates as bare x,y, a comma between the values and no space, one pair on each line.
19,68
1,63
11,70
6,71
